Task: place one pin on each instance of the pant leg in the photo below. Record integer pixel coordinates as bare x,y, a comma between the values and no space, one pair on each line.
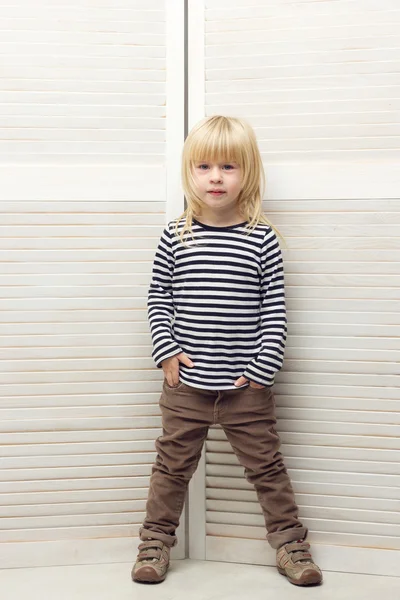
186,416
248,419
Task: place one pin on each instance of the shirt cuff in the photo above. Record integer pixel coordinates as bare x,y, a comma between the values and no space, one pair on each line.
254,371
162,354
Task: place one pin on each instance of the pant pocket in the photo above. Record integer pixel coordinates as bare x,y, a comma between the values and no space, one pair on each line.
171,387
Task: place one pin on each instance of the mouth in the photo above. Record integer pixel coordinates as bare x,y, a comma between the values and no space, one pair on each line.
216,193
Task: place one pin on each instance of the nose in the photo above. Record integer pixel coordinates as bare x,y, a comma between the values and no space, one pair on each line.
215,174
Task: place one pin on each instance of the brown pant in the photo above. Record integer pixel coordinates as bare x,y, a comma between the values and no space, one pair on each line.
247,415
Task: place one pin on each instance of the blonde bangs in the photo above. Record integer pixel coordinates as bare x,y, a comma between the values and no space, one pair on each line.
220,143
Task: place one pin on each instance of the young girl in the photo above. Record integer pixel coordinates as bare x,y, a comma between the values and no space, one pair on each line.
217,314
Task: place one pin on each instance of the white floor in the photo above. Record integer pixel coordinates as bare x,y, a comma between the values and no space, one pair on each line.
186,580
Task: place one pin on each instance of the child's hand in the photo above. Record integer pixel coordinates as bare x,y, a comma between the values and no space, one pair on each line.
242,380
171,367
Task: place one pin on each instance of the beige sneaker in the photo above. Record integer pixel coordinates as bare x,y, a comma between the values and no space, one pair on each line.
295,562
152,562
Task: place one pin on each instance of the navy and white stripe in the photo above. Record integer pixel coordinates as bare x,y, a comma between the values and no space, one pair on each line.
222,302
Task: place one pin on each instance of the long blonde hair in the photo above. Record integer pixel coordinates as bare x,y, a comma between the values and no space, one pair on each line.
233,140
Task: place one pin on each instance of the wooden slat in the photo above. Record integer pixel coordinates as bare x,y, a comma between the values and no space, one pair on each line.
221,452
216,9
59,462
299,14
70,313
9,476
42,424
334,440
325,537
127,11
326,525
132,384
82,412
108,210
19,525
249,513
41,450
216,497
81,436
13,512
147,392
73,496
318,475
355,489
85,484
307,463
71,533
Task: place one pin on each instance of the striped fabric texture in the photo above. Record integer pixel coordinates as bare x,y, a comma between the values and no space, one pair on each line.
220,298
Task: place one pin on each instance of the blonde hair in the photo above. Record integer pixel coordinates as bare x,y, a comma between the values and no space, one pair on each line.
233,140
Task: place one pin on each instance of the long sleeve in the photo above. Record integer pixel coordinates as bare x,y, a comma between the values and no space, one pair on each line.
262,369
160,307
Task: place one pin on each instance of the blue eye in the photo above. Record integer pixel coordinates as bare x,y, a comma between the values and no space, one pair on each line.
205,165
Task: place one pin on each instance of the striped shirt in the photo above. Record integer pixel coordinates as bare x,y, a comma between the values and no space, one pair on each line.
221,300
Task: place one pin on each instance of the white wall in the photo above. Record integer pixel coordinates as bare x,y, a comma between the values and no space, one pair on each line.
86,142
319,83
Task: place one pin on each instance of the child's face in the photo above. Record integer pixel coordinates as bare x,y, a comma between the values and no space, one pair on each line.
225,176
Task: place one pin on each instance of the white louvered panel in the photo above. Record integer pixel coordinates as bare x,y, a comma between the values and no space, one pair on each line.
87,140
317,80
319,83
83,83
77,424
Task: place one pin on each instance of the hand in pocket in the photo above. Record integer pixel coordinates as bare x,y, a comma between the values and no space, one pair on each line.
242,380
170,367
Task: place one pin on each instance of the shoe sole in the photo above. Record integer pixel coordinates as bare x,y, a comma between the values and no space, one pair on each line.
137,580
311,579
